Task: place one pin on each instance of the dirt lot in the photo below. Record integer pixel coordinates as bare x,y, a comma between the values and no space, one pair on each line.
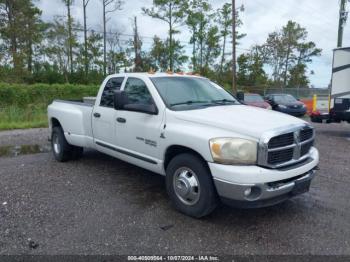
100,205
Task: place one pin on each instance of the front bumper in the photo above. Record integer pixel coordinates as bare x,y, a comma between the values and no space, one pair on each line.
254,186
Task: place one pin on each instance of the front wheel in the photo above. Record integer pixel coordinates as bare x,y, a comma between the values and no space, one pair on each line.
190,185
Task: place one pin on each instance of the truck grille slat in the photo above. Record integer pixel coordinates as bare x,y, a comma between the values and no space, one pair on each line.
306,148
278,157
281,140
306,134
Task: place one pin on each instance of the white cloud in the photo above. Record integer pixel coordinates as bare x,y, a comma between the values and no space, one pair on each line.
319,17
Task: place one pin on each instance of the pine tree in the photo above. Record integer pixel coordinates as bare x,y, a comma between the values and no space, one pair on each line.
171,12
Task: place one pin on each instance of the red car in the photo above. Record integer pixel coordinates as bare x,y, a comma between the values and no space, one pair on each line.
256,100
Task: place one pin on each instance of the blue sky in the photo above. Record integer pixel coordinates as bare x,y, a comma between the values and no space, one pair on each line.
319,17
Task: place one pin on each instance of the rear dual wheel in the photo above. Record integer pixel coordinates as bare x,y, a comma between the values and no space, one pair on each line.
61,149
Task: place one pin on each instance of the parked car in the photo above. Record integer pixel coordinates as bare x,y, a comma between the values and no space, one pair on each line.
255,100
286,103
208,146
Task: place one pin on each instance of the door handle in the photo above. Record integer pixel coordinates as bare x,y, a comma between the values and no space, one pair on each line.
121,120
97,114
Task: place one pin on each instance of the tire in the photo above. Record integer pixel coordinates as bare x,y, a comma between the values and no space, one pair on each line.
183,173
61,149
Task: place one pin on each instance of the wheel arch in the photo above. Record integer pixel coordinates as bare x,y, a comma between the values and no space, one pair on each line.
54,122
175,150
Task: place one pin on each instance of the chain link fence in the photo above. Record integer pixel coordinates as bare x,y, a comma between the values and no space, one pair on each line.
300,93
304,94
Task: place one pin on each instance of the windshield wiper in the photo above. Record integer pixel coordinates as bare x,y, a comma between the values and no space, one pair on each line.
223,101
188,103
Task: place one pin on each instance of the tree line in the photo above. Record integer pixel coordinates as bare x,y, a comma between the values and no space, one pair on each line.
63,50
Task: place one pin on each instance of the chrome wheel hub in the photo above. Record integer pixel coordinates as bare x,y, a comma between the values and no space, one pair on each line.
186,186
56,144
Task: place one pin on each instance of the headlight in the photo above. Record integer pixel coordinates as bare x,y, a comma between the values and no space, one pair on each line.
233,150
282,106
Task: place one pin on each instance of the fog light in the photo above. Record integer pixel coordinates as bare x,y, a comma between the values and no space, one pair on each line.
247,191
252,193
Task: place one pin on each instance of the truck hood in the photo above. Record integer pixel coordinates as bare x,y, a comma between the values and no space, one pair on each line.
242,119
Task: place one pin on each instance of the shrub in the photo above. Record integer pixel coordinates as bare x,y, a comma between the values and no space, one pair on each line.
24,106
22,95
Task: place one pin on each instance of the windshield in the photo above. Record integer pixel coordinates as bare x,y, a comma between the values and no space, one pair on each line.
181,93
284,99
253,98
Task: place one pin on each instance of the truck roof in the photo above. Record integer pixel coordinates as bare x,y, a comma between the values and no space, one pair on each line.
158,74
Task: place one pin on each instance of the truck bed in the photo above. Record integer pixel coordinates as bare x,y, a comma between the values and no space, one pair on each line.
75,119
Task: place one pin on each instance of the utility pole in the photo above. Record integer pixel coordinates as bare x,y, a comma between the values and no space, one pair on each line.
343,15
137,47
86,62
234,79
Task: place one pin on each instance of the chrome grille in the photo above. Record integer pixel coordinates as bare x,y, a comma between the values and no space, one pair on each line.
285,147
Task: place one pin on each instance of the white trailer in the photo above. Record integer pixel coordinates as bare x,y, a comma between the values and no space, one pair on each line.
339,109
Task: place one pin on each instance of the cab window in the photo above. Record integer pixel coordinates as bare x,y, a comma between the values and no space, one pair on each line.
113,84
137,92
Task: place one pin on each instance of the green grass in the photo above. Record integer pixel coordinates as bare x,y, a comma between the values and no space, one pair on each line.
25,106
23,125
14,117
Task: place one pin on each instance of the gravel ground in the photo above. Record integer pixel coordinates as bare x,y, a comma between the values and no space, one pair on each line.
37,136
100,205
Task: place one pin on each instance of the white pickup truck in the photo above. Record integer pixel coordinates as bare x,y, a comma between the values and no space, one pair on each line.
208,146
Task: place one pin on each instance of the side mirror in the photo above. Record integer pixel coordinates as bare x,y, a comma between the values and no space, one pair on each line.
120,100
240,96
